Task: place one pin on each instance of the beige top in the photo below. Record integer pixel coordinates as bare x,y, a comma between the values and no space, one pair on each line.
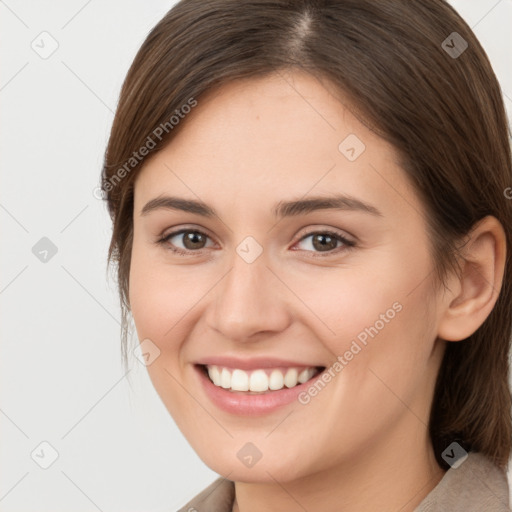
477,485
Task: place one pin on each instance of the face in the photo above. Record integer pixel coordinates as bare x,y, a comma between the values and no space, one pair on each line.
287,255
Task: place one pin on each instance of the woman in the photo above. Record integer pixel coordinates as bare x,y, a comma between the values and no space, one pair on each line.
310,226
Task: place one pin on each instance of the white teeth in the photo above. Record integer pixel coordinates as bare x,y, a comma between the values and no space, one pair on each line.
214,374
239,381
305,375
258,380
290,379
276,380
225,378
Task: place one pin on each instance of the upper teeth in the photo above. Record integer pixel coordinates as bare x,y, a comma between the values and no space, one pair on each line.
258,380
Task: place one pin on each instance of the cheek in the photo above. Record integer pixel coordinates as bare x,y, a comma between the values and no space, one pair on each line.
349,303
155,308
158,307
378,317
159,297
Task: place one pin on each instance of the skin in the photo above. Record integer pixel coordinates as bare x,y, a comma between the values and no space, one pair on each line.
362,443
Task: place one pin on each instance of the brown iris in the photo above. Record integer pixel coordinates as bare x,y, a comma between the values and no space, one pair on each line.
324,242
193,240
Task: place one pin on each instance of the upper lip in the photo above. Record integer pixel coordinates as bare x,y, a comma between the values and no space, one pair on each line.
253,363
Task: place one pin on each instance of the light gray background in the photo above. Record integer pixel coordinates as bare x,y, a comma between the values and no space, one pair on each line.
61,376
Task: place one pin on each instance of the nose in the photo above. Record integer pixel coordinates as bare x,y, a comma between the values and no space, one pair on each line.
249,301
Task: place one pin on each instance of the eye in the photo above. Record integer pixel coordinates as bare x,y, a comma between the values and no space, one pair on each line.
325,242
185,241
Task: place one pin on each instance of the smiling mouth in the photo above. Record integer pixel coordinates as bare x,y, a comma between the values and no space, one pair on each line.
259,381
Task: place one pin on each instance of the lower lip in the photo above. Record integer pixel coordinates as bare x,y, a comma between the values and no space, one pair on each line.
243,404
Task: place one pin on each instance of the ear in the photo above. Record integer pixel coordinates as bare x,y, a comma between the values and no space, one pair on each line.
472,294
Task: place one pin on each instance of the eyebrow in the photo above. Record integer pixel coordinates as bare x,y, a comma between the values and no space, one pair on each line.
282,209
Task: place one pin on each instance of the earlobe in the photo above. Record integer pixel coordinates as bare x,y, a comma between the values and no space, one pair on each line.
479,283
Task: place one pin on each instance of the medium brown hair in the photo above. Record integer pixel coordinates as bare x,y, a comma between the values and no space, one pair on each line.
443,114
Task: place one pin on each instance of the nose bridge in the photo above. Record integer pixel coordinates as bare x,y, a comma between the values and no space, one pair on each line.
247,300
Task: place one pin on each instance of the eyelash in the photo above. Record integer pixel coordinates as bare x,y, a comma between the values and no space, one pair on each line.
348,244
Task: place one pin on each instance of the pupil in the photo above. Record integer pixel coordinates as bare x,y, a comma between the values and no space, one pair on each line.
324,242
193,240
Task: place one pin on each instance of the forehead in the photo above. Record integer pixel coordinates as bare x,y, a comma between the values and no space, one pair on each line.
283,134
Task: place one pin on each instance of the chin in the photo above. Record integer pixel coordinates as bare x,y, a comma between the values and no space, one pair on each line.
264,470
